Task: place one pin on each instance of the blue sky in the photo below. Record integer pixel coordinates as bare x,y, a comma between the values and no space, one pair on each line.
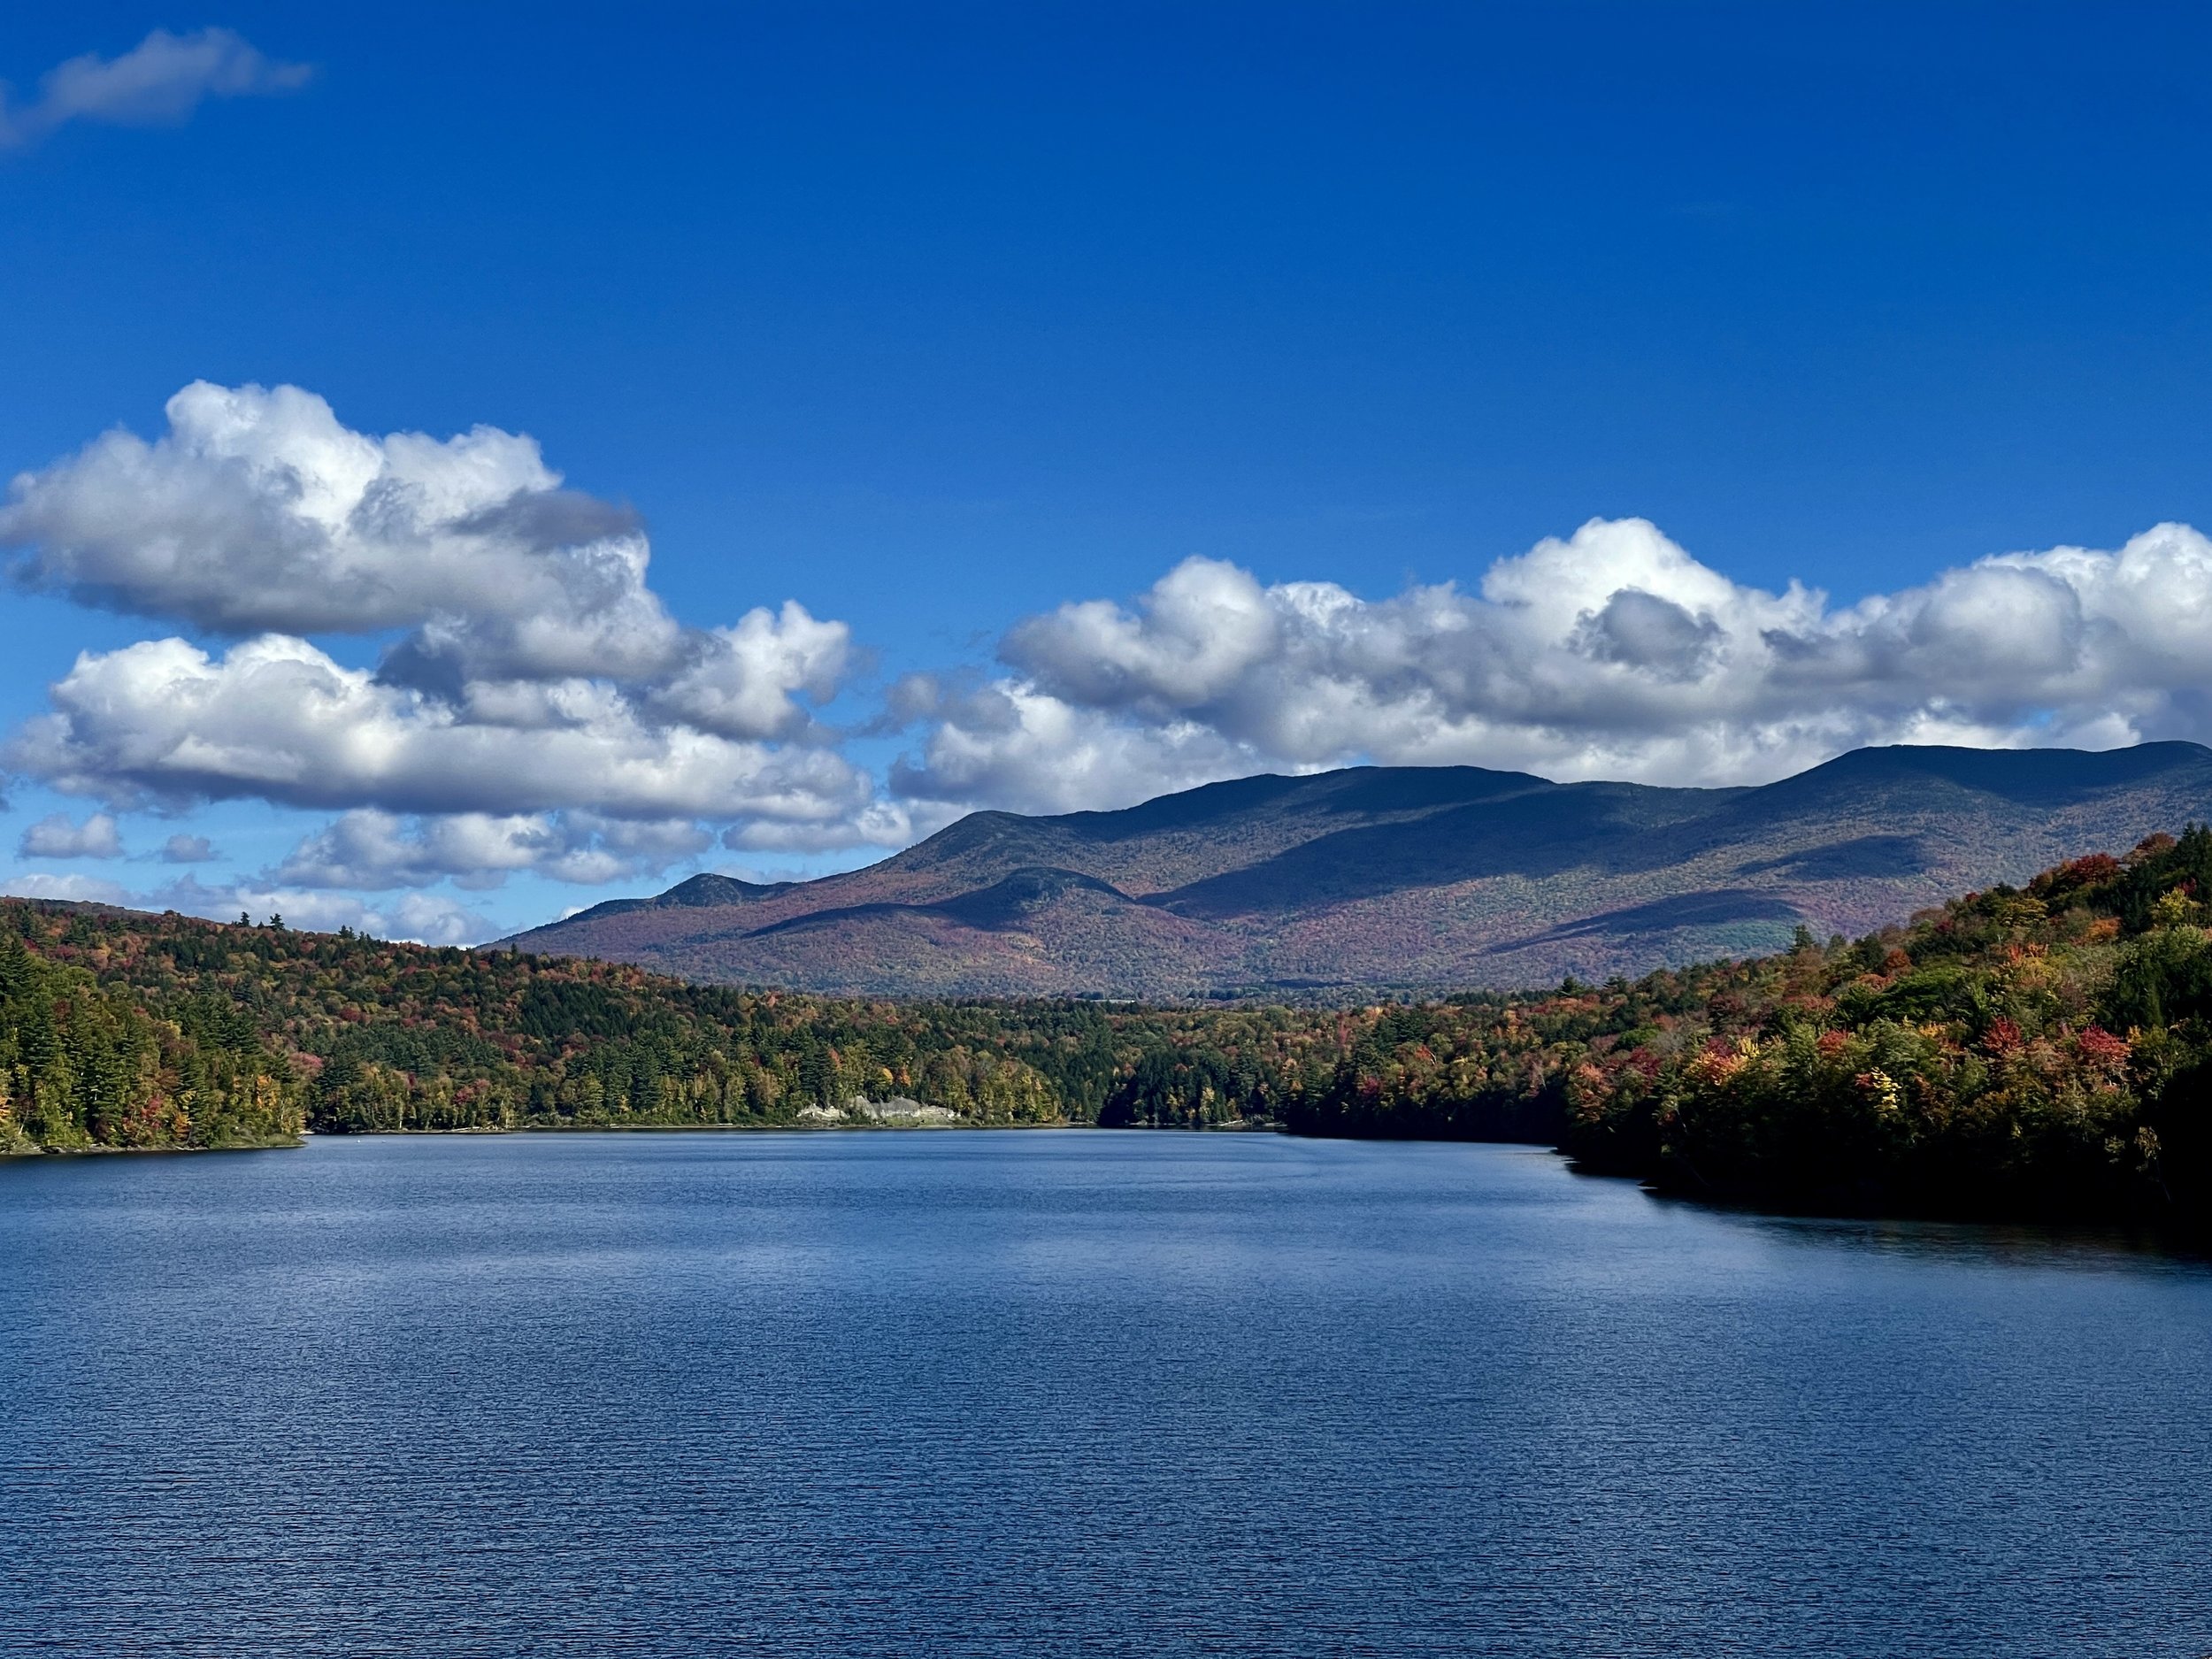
965,326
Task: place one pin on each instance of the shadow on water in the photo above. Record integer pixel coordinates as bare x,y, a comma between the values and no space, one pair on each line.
1980,1243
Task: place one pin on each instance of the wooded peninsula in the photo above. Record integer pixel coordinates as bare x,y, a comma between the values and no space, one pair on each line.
2041,1052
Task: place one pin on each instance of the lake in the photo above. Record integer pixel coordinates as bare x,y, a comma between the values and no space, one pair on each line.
1068,1392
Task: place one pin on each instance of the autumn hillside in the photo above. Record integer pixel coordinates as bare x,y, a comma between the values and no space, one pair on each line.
1378,882
2034,1051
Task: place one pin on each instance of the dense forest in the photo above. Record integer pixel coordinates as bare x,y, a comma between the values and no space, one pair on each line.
121,1029
2036,1052
2042,1051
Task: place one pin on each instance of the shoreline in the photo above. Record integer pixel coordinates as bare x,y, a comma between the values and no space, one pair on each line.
26,1154
2183,1242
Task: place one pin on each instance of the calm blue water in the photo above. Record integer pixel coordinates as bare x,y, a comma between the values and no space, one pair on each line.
1051,1394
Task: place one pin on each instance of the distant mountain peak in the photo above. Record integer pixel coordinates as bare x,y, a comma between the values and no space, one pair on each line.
1376,878
700,892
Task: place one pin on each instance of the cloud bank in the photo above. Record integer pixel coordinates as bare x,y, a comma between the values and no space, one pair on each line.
158,82
259,512
1611,653
535,680
534,709
377,851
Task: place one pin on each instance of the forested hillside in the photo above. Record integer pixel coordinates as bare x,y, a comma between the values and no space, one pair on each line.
2020,1052
86,1061
348,1033
1377,883
2037,1051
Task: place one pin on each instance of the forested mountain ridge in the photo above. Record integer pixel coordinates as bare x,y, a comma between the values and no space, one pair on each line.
1378,880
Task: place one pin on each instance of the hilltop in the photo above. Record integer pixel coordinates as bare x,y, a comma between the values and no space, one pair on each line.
1348,884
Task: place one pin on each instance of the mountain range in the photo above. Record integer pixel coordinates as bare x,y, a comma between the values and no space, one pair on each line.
1377,879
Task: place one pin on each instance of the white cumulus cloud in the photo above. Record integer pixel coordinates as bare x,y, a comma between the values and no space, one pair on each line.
59,836
377,851
1610,653
275,718
739,682
535,672
158,82
1010,744
258,510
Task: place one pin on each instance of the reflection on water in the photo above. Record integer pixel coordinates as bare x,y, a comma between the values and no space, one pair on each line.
2083,1247
1069,1393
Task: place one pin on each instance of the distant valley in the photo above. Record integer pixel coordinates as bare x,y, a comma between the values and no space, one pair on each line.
1375,879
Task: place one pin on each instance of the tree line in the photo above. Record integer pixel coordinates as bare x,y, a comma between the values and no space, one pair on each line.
2044,1050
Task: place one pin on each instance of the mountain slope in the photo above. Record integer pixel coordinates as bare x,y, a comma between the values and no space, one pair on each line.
1387,877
